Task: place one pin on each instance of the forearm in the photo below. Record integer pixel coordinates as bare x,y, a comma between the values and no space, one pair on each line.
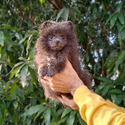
95,110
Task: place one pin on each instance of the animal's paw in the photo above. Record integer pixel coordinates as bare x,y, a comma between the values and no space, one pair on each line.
43,71
51,71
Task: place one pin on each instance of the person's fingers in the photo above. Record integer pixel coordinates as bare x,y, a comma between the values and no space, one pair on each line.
45,81
47,78
63,101
68,102
60,99
58,89
72,104
55,87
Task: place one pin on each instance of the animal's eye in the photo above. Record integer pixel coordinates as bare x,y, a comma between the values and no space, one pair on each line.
50,37
63,37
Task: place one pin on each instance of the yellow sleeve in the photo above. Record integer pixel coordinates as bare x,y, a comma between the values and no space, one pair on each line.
96,111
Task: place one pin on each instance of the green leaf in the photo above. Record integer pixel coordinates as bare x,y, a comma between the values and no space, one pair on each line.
47,113
66,111
54,113
42,1
24,75
60,14
117,98
34,109
113,19
18,71
3,109
66,14
105,90
119,7
7,86
28,44
76,9
39,113
81,121
124,98
13,72
62,120
71,119
13,87
33,75
118,24
34,32
2,38
110,17
122,28
121,18
104,79
12,112
115,91
121,76
17,36
11,28
24,39
122,34
23,59
113,97
17,64
121,57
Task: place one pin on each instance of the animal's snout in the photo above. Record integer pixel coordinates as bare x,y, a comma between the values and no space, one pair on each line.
57,42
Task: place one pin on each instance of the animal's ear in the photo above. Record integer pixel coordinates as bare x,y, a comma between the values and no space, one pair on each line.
70,24
46,24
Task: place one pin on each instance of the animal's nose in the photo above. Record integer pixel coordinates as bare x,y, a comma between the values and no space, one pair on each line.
57,42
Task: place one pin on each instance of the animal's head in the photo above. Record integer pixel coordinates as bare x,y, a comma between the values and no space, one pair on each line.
56,35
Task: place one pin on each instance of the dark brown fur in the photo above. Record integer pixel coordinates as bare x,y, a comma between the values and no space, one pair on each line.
50,59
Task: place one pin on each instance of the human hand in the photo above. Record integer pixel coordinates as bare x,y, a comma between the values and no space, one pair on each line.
67,102
66,81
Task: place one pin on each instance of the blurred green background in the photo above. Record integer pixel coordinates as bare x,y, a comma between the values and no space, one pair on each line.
100,26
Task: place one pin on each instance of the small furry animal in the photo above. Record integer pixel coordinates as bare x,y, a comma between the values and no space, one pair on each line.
57,41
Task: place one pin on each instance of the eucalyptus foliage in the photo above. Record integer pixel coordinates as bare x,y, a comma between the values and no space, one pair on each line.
100,29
